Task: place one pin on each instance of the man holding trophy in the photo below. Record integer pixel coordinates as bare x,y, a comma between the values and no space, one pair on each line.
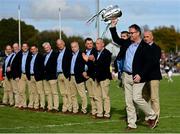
135,71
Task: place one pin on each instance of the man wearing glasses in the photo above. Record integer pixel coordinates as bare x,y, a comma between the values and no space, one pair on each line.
135,70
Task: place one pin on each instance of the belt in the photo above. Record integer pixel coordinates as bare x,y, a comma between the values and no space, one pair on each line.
72,74
59,73
129,73
32,74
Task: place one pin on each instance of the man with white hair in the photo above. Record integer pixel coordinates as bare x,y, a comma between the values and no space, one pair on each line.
50,78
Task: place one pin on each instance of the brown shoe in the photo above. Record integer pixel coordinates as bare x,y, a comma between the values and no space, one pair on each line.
41,109
99,117
82,113
54,111
130,128
153,123
107,117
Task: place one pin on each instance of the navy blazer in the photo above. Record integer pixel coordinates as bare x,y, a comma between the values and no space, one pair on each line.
155,74
102,66
142,59
90,64
16,65
66,62
38,68
8,74
51,67
79,68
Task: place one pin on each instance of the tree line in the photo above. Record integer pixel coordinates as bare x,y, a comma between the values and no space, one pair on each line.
168,38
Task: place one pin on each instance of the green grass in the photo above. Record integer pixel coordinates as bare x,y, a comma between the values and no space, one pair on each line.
14,120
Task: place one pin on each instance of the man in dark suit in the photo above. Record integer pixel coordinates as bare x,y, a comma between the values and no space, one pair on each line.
89,68
102,61
8,98
14,69
35,77
136,68
77,79
50,78
63,74
155,74
22,72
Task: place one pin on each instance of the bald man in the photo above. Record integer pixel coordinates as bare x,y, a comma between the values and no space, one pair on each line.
63,74
77,79
155,74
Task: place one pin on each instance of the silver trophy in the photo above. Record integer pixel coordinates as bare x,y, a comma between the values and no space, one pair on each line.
107,14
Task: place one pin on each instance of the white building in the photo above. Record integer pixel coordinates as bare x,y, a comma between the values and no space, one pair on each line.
113,48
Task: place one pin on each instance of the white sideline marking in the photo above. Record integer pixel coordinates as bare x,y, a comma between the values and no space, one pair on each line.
169,116
78,123
65,124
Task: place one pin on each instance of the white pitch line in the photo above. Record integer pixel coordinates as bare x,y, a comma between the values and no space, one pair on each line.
77,123
65,124
169,116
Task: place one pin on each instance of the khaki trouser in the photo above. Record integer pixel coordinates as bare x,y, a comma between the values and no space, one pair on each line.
36,94
64,87
91,87
15,86
8,92
133,94
50,88
23,82
151,94
80,88
102,94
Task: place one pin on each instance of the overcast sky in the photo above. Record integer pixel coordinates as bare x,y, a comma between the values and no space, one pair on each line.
43,14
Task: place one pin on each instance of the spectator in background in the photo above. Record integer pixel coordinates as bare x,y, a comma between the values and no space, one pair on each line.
119,61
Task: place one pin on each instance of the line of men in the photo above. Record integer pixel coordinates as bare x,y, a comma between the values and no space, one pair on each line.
139,60
70,71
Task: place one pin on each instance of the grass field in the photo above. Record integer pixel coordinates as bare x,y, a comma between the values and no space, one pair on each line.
15,120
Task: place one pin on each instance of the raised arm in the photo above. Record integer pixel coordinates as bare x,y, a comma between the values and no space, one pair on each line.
115,36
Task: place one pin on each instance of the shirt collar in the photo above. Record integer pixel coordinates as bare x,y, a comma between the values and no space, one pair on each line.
24,53
35,54
88,50
137,43
62,50
49,52
151,43
75,53
100,51
9,54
